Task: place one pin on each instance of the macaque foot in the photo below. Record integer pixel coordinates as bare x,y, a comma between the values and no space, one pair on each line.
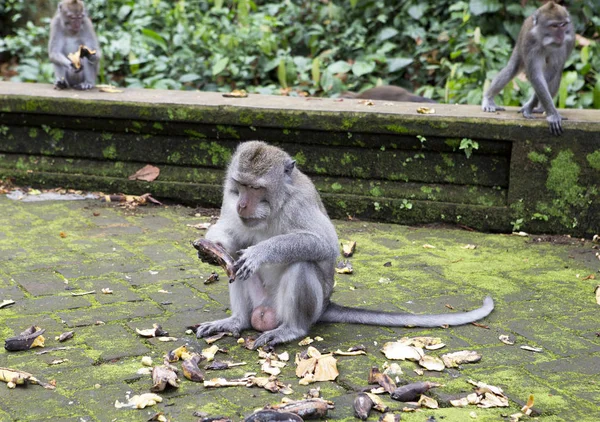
60,84
282,334
490,106
84,86
232,325
527,113
538,110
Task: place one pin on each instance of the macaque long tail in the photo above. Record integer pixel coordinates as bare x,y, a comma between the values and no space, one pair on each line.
337,313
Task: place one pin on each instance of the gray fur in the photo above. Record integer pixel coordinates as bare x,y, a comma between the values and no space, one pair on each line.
543,61
287,261
64,41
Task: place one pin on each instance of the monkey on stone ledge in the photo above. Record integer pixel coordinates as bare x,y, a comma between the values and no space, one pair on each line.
545,43
274,224
71,28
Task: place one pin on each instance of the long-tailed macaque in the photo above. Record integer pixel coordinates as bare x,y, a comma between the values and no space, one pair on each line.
274,224
544,45
71,28
388,93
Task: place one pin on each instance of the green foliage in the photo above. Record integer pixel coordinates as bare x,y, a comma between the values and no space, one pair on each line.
447,50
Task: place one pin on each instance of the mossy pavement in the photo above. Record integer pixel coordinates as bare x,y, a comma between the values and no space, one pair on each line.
49,250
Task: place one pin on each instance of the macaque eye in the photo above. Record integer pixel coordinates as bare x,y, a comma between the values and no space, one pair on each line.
234,191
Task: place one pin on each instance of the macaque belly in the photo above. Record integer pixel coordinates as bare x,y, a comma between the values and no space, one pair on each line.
264,315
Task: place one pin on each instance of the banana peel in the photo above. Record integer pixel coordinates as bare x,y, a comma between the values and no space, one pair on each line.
31,337
15,377
81,52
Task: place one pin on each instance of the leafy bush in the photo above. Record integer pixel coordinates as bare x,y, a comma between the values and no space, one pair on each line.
448,50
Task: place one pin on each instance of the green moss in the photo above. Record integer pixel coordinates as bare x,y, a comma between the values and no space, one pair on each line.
448,160
453,142
174,157
107,136
594,159
348,158
228,130
336,187
157,126
33,133
194,134
397,129
563,177
376,191
110,152
219,155
300,158
348,123
536,157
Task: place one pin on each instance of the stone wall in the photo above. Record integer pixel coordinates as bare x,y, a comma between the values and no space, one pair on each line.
383,161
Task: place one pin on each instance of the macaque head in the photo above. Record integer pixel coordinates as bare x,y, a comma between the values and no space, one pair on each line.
259,178
72,13
552,24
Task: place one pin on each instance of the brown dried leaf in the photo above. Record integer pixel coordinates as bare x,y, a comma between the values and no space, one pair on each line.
148,173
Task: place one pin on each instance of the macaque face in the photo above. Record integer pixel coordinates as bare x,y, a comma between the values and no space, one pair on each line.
252,205
556,26
72,18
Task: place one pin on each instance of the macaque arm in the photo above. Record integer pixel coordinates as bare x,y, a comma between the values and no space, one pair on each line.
284,249
57,56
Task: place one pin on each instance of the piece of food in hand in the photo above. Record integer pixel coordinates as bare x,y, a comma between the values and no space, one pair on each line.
82,52
215,254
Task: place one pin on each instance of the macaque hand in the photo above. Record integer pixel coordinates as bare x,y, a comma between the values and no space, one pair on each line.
248,263
555,121
75,69
231,325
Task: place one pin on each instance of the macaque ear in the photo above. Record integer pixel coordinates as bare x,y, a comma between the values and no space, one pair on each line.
288,166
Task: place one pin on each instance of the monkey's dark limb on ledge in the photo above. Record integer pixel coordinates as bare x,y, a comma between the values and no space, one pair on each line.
215,254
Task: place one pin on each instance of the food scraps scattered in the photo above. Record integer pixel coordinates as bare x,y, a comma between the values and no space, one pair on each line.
191,370
200,226
344,267
65,336
216,337
147,173
211,278
91,292
14,377
269,415
236,93
219,365
6,302
402,351
31,337
597,291
432,363
410,392
107,291
109,89
527,408
210,352
428,402
162,376
425,110
140,401
384,380
490,395
312,408
180,353
215,254
532,349
305,341
453,360
147,361
316,367
506,339
155,331
348,248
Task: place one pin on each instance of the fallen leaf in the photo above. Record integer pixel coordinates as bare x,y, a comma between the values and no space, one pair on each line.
147,173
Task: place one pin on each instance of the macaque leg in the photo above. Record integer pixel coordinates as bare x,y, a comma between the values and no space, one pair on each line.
299,303
529,107
500,81
90,70
240,296
61,77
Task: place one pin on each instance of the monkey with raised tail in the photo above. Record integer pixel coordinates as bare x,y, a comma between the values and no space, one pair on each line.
545,43
285,247
388,93
70,28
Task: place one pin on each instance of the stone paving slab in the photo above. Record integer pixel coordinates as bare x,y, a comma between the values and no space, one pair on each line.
543,291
